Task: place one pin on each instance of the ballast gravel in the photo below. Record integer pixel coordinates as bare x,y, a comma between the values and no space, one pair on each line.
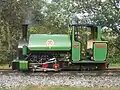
15,80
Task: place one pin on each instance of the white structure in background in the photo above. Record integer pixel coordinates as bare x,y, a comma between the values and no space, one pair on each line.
82,18
103,0
118,3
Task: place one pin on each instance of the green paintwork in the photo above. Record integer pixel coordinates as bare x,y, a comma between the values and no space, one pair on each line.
23,65
24,50
62,42
75,51
99,51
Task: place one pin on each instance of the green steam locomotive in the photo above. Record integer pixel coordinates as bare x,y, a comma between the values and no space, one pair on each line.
55,52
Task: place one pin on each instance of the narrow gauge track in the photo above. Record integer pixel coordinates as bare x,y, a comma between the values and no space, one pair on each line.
107,72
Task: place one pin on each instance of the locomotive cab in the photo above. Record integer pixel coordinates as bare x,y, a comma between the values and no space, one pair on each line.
94,49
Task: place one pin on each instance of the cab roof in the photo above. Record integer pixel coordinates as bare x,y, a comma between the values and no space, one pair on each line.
86,25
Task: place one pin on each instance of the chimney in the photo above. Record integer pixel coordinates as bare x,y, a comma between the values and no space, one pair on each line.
24,31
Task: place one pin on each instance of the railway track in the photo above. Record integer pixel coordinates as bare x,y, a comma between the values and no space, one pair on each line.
107,72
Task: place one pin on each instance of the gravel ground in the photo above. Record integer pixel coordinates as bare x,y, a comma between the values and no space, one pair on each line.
14,80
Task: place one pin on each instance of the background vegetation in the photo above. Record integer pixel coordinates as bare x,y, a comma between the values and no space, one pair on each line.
54,16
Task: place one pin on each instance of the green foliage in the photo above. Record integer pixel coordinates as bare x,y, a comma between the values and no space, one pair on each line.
115,58
55,17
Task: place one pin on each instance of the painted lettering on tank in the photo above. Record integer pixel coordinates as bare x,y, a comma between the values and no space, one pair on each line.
100,45
50,43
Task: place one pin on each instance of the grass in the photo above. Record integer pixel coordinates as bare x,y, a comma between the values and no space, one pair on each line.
4,66
68,88
60,88
114,65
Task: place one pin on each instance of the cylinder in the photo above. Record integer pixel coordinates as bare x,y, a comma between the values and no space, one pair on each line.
24,50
